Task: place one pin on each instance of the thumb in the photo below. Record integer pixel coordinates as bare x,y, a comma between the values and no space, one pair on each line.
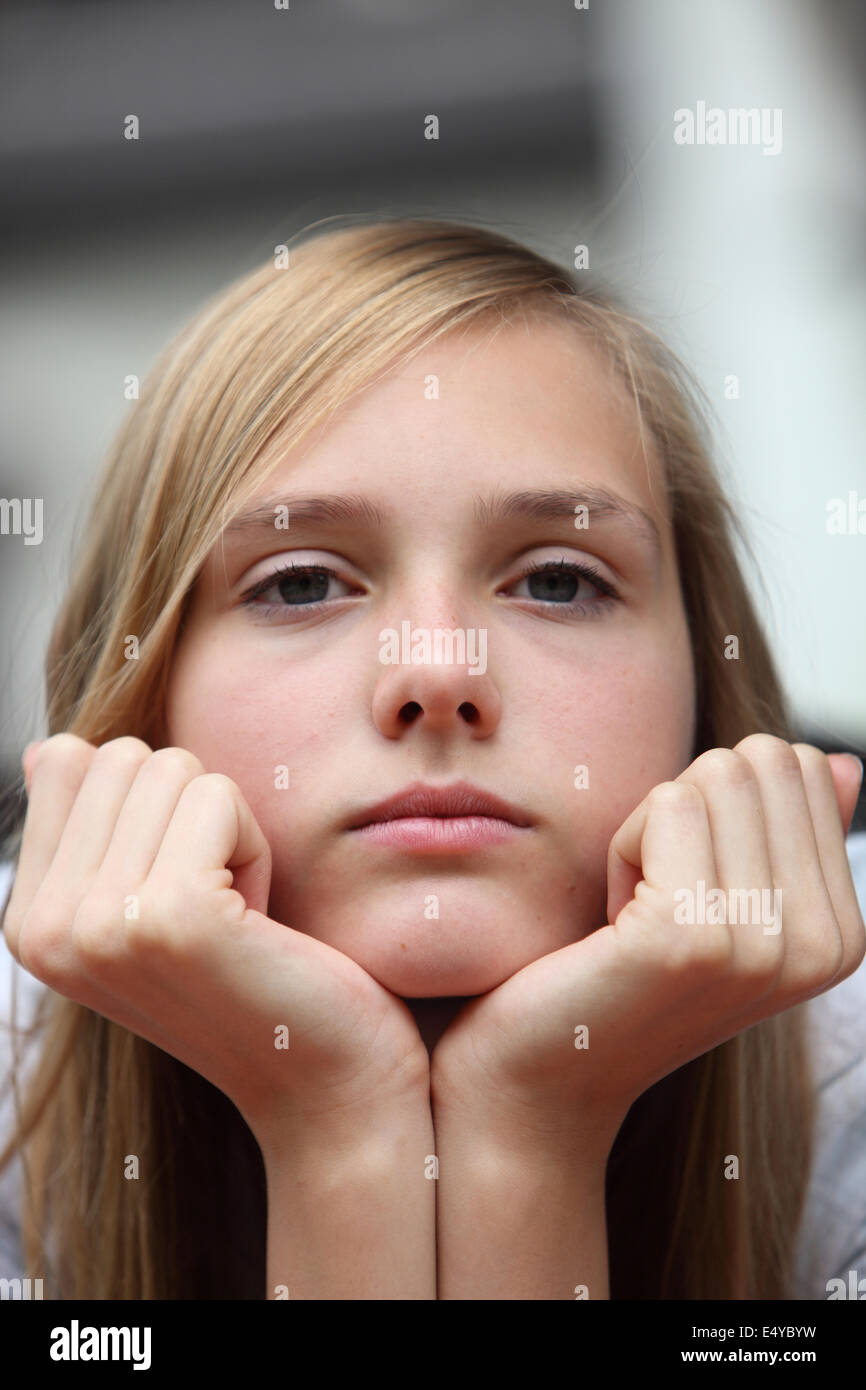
624,868
250,861
847,771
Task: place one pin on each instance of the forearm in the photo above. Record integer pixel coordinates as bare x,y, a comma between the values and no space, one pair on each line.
351,1214
517,1222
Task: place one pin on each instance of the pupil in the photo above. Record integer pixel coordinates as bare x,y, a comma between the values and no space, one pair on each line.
549,582
295,588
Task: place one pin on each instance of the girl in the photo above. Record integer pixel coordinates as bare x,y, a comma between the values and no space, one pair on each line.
380,970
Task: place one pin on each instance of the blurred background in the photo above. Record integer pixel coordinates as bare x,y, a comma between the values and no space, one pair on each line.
556,126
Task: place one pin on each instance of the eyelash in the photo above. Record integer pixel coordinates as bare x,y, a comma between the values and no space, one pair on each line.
607,591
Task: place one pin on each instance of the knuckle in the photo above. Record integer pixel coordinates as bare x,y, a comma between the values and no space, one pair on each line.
177,761
40,941
94,930
676,950
62,748
213,785
820,962
811,759
164,924
127,751
36,922
770,753
690,955
145,936
708,950
676,797
765,969
726,764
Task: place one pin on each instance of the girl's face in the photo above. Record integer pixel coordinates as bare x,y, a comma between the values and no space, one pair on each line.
464,469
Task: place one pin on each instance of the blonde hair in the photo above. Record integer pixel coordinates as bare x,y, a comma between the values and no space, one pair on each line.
275,354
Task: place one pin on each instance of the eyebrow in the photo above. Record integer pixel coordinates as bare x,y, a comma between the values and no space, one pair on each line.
540,505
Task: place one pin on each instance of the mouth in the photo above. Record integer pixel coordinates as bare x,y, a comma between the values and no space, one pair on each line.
459,801
433,819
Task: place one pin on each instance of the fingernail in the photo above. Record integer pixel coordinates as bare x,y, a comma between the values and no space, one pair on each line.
859,762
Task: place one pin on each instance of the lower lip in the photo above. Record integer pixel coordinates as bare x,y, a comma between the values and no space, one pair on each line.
440,832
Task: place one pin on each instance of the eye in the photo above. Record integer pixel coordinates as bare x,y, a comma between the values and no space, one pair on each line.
557,582
296,586
305,588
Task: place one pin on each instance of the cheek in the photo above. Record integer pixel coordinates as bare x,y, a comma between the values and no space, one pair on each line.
244,718
611,733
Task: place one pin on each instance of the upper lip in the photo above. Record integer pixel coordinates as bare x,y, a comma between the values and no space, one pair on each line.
457,799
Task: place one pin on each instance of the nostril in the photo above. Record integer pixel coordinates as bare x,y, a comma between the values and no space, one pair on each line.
408,712
470,713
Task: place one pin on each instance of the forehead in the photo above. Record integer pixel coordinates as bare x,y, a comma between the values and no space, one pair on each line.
484,435
510,405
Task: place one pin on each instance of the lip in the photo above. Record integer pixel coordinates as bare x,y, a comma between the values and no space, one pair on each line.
441,834
459,802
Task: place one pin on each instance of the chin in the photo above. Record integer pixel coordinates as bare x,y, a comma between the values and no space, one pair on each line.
419,971
414,982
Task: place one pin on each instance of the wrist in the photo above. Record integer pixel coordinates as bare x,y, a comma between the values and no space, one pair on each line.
520,1213
350,1213
502,1128
370,1131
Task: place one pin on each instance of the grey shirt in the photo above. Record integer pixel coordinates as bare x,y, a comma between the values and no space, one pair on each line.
832,1237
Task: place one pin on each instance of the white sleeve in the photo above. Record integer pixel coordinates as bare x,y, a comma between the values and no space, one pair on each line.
832,1237
29,991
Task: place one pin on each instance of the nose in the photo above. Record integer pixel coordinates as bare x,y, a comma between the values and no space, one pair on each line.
447,687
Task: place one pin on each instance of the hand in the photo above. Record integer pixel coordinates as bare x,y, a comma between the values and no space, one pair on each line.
142,891
653,990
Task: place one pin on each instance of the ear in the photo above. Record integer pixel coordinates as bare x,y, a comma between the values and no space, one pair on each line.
847,773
